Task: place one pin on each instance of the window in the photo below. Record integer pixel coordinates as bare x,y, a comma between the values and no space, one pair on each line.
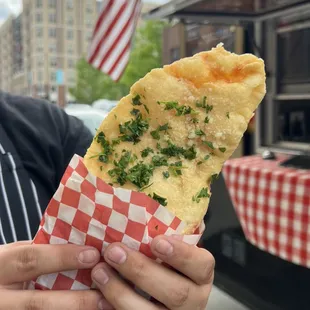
53,77
40,62
39,3
70,49
39,18
69,34
71,63
53,88
39,46
89,23
52,3
39,32
69,4
53,62
52,48
70,20
52,33
174,54
52,18
40,76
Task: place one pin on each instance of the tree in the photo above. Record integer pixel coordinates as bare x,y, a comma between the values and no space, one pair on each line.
146,54
92,85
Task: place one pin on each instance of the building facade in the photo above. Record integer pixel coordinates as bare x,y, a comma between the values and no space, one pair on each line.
42,46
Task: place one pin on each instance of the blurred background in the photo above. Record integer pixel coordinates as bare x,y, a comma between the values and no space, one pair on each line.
43,53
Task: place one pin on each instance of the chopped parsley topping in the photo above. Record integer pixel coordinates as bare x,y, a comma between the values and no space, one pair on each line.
209,144
190,153
140,174
214,177
105,144
227,115
116,141
155,133
180,109
209,108
146,152
118,174
207,157
207,120
222,149
135,112
136,100
132,130
203,193
195,120
146,109
172,150
203,104
199,132
158,161
161,200
199,163
166,174
115,116
175,169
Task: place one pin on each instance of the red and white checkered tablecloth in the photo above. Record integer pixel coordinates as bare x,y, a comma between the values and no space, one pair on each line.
87,211
273,206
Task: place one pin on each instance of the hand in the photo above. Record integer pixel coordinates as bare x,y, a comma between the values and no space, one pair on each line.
21,262
187,287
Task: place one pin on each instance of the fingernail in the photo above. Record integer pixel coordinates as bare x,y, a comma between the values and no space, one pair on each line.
88,256
164,247
100,276
104,305
117,255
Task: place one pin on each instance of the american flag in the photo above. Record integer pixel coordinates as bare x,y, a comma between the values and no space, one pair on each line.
111,41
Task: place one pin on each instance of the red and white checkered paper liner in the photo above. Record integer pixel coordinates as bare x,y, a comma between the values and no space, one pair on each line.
273,206
87,211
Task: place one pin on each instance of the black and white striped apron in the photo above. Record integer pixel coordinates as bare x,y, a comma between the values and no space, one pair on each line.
20,210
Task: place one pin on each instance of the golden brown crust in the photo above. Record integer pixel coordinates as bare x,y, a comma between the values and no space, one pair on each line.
233,85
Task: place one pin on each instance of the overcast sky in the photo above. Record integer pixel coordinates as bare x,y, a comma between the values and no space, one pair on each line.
8,7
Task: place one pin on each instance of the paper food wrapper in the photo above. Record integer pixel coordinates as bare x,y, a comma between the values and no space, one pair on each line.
87,211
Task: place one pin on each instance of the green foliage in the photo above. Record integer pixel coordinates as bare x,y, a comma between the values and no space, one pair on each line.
146,54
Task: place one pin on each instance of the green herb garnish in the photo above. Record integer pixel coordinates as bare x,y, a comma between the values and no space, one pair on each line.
209,108
158,161
107,148
140,174
190,153
195,120
146,109
214,177
166,174
136,100
203,193
199,163
146,152
227,115
206,157
207,120
199,132
209,144
132,130
222,149
161,200
180,109
172,150
175,169
155,133
135,112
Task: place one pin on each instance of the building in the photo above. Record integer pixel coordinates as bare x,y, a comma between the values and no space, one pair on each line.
6,59
42,46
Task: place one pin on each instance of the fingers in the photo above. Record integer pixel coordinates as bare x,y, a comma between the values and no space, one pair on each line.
25,262
52,300
195,263
119,294
165,285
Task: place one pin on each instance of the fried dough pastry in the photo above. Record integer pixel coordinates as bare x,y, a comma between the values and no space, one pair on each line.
172,134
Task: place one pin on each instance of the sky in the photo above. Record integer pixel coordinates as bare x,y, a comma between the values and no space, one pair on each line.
8,7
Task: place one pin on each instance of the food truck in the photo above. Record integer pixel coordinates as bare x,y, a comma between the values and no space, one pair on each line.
258,223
